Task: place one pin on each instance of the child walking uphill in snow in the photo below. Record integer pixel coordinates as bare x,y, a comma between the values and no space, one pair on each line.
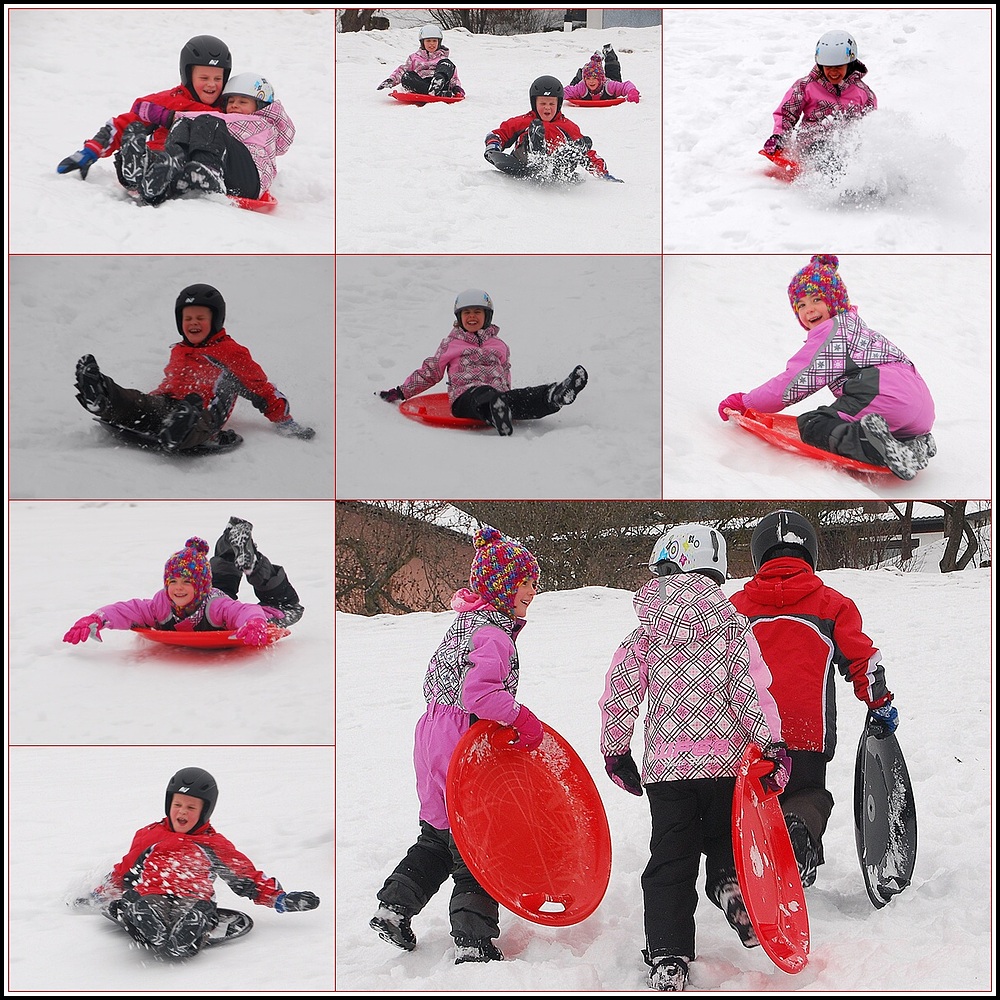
429,70
697,662
193,600
808,633
545,142
205,374
472,675
205,66
832,93
162,892
199,145
477,363
883,411
594,85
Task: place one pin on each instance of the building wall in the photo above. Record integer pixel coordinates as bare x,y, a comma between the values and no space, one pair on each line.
634,17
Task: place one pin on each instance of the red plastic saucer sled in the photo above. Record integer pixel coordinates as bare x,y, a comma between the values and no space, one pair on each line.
609,103
766,868
219,639
530,824
408,97
782,167
265,203
782,430
434,408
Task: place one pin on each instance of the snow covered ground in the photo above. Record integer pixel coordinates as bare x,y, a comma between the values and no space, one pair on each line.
69,70
938,936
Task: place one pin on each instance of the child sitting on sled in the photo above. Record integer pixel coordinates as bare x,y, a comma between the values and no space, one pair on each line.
477,364
883,411
593,84
199,155
544,137
429,70
472,675
206,372
696,660
832,93
162,892
200,596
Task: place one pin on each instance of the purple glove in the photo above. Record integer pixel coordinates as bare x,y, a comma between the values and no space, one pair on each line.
632,97
529,730
86,628
253,632
777,754
392,395
773,145
623,772
734,401
154,114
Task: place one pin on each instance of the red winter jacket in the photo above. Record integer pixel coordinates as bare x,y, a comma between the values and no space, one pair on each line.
178,98
557,131
807,631
220,367
163,863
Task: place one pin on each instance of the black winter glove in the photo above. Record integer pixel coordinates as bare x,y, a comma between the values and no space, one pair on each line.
384,84
392,395
294,902
773,145
777,754
623,772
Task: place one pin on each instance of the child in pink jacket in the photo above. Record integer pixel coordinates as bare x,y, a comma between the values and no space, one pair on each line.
832,93
595,85
472,675
189,602
882,413
696,662
477,364
429,70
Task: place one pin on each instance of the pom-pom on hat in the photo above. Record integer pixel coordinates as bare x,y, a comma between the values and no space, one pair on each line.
191,563
595,67
500,566
820,277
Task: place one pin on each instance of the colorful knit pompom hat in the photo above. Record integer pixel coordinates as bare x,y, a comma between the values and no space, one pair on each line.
500,566
191,563
820,277
595,67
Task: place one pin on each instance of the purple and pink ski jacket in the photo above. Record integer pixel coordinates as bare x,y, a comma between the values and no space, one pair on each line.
473,672
821,105
219,612
468,359
696,661
835,352
611,88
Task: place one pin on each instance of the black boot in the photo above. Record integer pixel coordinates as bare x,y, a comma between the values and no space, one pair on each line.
134,152
393,925
240,537
178,424
563,393
92,392
470,949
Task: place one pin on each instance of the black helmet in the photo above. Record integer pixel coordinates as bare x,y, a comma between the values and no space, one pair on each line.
546,86
205,50
198,783
202,295
783,533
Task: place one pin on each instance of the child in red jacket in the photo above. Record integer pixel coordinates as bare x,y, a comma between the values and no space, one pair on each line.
162,892
207,370
547,145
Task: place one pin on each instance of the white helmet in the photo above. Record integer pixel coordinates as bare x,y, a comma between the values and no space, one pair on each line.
431,31
836,48
251,85
690,548
474,298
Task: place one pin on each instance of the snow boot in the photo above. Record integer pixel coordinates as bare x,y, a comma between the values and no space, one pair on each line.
178,424
804,847
162,170
563,393
202,143
668,974
393,925
470,949
536,137
191,931
238,533
290,613
730,901
92,392
141,920
200,178
134,153
901,457
500,417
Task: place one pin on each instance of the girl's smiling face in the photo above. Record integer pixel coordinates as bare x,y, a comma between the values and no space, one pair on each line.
812,310
835,74
181,593
473,319
238,104
431,44
523,596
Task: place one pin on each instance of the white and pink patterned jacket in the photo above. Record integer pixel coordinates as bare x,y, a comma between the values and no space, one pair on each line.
695,659
468,359
424,63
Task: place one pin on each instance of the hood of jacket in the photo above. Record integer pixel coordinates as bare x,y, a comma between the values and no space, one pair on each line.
783,582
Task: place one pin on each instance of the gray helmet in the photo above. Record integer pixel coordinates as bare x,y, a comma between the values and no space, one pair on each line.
690,548
783,533
474,298
836,48
202,295
431,31
251,85
546,86
205,50
199,784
